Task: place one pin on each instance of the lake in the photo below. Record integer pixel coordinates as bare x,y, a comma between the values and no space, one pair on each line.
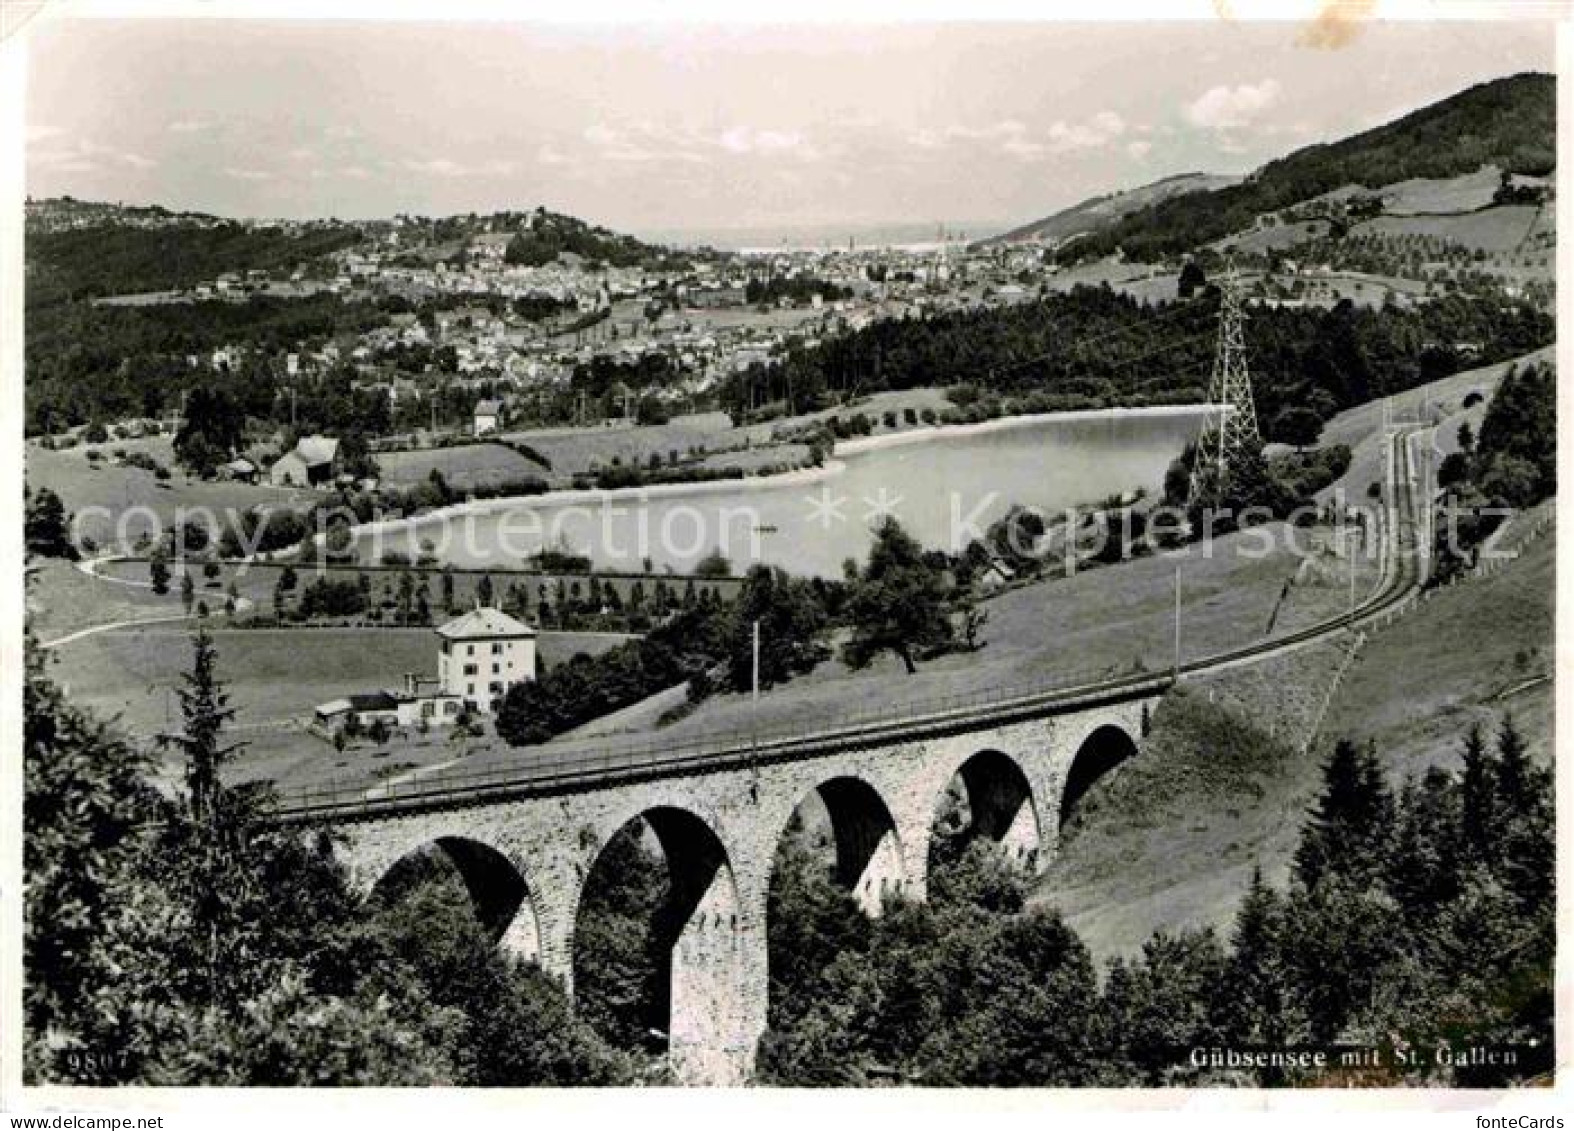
944,486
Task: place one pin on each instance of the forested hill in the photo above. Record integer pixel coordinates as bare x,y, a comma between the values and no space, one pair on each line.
542,236
1509,122
120,258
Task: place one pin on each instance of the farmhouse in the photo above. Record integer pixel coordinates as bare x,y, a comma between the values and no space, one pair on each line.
241,470
408,706
480,655
310,462
488,415
483,652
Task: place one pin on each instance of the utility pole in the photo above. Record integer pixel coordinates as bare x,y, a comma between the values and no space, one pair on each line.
1176,665
756,644
1350,537
754,719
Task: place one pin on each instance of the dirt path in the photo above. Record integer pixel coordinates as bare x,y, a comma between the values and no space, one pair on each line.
91,567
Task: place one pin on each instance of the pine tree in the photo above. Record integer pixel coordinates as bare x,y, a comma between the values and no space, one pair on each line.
1525,831
158,573
1259,1000
188,591
1348,826
1478,796
215,822
46,526
1514,770
1423,871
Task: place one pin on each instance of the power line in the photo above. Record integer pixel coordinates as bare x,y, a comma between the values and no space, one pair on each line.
1079,345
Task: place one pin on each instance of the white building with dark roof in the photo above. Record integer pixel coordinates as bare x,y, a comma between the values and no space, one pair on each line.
488,416
482,654
313,460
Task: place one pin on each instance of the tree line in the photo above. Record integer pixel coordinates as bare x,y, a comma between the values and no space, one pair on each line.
1094,348
1510,465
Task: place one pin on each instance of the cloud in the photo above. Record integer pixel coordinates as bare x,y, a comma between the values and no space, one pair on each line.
64,162
547,155
1016,139
247,174
446,167
1002,131
1024,149
744,140
1110,123
1139,149
1225,108
351,172
189,126
649,142
81,156
1095,133
437,167
617,145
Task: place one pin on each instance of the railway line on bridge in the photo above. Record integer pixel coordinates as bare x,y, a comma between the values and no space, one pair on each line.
543,771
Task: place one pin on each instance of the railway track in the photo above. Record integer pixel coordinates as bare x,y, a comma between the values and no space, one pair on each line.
1401,573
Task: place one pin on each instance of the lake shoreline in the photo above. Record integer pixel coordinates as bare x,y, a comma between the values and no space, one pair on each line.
599,498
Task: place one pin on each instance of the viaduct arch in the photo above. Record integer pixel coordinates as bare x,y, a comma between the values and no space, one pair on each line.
526,859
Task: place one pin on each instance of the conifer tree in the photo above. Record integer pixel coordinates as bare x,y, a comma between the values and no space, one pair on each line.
1514,770
1346,829
1259,1001
158,573
1423,866
1478,796
210,836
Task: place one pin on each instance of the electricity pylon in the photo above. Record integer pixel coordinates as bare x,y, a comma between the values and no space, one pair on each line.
1229,434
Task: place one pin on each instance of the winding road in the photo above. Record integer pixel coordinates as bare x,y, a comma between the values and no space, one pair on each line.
92,567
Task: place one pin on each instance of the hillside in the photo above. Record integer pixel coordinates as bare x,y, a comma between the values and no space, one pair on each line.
121,252
1169,840
1099,212
543,237
1509,122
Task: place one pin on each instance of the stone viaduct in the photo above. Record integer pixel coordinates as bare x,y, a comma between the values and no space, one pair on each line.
525,859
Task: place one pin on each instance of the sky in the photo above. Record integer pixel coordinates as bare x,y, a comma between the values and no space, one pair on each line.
670,128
